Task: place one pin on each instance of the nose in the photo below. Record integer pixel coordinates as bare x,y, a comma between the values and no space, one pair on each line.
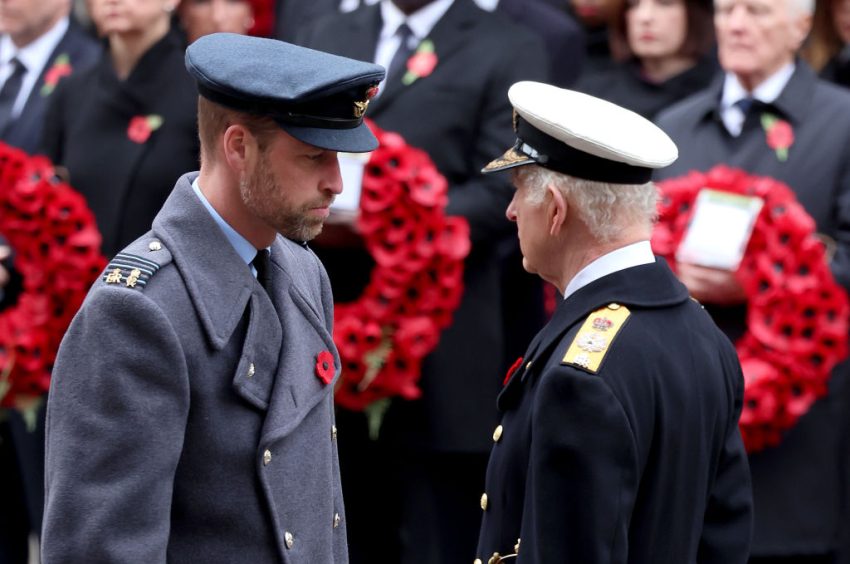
643,11
334,176
219,12
510,212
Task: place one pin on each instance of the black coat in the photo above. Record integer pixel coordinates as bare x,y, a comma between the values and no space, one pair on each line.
798,485
564,37
624,85
837,69
82,52
86,131
639,462
292,17
460,115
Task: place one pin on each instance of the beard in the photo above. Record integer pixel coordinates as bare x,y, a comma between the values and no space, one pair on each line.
268,201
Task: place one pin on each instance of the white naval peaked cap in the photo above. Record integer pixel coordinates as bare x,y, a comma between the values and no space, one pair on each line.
582,136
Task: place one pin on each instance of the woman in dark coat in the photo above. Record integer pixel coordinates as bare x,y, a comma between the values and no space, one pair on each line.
664,54
126,130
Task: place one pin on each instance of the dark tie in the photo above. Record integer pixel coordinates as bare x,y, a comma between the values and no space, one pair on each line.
406,47
261,263
9,92
745,105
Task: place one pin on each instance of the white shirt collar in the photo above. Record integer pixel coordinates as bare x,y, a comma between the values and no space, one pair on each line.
733,91
767,92
420,22
635,254
34,56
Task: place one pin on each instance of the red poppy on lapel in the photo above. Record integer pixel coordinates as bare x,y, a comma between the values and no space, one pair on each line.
61,68
325,368
421,63
517,363
780,135
140,127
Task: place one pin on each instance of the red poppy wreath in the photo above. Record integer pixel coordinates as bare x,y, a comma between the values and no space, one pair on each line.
57,253
797,315
417,281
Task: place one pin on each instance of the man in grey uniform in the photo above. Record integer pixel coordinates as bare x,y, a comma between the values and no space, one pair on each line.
191,410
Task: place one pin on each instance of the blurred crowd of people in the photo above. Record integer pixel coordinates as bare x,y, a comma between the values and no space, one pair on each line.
100,87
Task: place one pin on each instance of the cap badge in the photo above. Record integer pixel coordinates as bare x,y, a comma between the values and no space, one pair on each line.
360,108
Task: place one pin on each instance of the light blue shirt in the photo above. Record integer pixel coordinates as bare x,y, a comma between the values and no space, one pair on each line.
733,91
635,254
241,245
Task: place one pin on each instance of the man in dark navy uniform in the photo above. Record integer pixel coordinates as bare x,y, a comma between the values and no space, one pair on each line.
619,440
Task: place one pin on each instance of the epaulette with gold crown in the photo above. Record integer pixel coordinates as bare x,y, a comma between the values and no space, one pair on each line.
594,338
129,271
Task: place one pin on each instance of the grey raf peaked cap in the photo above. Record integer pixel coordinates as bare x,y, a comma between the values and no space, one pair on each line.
316,97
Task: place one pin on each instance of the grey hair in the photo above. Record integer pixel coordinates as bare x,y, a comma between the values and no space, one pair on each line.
801,7
606,209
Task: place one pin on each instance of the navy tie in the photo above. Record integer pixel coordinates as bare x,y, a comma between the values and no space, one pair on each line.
745,105
406,47
9,92
261,263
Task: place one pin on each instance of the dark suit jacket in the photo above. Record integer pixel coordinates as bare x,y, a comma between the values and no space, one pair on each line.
640,462
86,131
563,36
83,52
798,485
199,431
461,116
292,17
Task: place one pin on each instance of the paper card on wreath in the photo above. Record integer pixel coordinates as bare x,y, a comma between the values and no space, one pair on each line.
719,230
351,167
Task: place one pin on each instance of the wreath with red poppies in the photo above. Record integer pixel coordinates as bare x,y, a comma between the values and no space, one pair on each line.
797,315
57,253
417,281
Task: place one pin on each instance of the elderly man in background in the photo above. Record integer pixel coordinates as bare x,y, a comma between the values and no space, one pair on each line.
618,441
797,486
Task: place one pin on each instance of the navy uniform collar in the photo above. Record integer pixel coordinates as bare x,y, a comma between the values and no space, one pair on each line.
645,286
639,287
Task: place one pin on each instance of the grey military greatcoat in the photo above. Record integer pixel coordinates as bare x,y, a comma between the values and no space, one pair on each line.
187,419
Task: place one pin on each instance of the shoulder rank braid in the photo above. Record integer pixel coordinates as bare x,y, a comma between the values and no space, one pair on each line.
594,339
129,271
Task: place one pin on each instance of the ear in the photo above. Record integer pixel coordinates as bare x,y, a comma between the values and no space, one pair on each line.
801,25
556,210
240,148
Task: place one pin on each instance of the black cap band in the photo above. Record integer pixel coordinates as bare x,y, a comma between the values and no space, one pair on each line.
554,154
276,111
